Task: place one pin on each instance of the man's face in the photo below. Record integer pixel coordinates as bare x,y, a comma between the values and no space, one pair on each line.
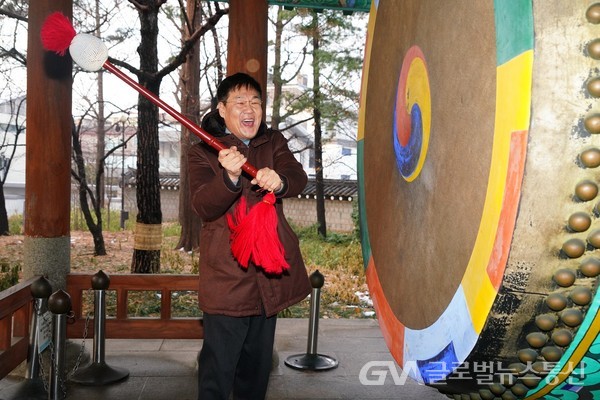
242,112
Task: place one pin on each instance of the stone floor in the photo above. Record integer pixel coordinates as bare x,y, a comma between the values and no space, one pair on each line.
165,369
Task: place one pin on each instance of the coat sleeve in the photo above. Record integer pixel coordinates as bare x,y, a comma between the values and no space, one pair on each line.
286,165
210,194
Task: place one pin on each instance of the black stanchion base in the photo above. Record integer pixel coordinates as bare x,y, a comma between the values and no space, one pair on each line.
97,374
312,362
29,389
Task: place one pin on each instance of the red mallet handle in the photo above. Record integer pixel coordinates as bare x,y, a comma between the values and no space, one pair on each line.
201,133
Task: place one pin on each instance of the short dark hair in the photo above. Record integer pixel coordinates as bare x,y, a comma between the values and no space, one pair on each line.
236,81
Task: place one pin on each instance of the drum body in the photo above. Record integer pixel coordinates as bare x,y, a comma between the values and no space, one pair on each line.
478,176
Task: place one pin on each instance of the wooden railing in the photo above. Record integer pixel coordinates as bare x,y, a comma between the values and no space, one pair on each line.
16,304
15,312
122,325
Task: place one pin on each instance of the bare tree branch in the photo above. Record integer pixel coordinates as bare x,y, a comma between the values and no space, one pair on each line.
14,15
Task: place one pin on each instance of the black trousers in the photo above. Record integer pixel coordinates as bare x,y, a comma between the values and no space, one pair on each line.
236,357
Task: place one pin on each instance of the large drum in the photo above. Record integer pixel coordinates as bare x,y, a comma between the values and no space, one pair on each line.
479,149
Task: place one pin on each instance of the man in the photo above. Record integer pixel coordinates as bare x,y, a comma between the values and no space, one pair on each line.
240,305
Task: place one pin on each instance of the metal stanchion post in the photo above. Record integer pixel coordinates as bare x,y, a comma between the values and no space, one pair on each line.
98,372
312,360
32,388
59,304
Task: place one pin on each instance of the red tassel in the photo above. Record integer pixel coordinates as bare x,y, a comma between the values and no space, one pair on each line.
57,33
242,233
254,236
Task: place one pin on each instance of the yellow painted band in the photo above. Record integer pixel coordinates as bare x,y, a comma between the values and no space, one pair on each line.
365,72
513,100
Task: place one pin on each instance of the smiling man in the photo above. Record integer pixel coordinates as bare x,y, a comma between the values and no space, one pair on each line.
239,304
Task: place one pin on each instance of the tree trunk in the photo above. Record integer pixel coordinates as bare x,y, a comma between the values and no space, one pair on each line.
320,192
3,214
148,232
100,133
94,228
189,84
277,81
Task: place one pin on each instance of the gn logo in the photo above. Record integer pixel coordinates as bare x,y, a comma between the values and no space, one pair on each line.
374,373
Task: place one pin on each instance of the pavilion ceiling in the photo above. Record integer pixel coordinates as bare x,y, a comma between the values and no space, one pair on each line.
348,6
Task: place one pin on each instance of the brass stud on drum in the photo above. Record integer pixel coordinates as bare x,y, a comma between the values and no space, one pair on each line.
579,222
497,388
546,322
506,380
572,317
556,301
582,296
594,238
593,13
530,380
536,340
586,190
541,368
562,337
518,368
590,158
593,49
564,277
552,353
519,390
527,355
593,87
590,267
573,248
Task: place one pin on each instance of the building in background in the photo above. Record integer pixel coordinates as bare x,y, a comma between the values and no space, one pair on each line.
339,158
12,151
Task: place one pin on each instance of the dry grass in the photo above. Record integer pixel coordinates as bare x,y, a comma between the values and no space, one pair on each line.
339,260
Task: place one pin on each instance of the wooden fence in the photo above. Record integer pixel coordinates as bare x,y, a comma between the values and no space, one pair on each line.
16,304
124,326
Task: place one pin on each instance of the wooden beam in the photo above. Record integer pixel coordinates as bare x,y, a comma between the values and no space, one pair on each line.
247,45
48,156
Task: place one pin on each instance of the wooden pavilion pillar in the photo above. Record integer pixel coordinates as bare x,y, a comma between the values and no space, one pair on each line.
48,152
247,43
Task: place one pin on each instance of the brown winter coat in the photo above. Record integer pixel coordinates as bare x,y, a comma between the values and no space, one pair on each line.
225,287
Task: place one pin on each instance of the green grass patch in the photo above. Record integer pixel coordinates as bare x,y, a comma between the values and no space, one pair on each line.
9,274
15,224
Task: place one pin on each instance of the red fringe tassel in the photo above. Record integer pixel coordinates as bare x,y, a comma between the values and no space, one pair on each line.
254,236
57,33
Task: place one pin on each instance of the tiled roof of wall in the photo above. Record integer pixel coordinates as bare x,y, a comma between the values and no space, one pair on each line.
333,189
343,190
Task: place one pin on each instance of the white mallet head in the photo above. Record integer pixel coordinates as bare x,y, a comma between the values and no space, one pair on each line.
88,51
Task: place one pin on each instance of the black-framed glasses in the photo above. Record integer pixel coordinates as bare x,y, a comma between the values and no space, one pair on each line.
241,103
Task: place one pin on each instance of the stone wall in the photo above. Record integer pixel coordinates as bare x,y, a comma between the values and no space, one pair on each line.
300,211
303,212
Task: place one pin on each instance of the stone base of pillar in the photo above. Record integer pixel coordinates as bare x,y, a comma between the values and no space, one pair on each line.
50,257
